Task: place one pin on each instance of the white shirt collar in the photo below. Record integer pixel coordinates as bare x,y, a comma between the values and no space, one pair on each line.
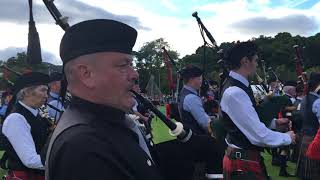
33,111
239,77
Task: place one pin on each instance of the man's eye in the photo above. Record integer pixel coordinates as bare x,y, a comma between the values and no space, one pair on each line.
123,65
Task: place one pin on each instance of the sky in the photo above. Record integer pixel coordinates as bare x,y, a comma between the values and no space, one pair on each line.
227,20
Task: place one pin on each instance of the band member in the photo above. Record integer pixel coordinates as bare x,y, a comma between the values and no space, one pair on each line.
274,86
289,90
246,135
272,112
93,138
310,110
190,104
5,99
54,97
193,116
26,131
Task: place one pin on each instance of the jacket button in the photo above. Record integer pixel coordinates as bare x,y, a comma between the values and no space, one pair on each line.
149,162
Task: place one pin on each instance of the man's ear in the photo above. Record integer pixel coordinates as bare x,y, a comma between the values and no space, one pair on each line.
243,61
28,92
85,75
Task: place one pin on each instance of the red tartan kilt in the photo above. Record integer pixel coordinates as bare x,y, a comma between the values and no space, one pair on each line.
231,166
23,175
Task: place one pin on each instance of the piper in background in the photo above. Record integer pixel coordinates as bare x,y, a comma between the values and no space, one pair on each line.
193,116
190,105
54,97
26,131
308,167
246,134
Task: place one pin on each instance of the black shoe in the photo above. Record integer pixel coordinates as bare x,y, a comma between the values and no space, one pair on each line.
284,173
283,164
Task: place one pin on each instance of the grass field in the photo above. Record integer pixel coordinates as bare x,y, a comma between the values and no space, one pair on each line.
160,134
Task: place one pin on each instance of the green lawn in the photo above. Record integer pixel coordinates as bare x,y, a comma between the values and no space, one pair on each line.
160,134
274,170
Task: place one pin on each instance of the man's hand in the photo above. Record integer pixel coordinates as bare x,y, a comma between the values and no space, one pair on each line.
292,136
145,119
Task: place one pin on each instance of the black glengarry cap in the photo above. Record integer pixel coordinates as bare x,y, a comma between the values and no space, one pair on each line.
30,79
98,35
191,71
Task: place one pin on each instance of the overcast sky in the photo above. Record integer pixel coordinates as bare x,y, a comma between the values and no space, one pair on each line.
227,20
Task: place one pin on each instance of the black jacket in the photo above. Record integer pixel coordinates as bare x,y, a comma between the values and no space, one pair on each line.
100,146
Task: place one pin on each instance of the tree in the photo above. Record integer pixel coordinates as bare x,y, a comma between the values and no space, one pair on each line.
149,61
277,52
20,65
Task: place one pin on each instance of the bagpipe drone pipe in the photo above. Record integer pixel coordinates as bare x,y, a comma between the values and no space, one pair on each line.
212,105
172,106
62,21
301,75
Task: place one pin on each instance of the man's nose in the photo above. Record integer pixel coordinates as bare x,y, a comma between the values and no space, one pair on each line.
134,74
